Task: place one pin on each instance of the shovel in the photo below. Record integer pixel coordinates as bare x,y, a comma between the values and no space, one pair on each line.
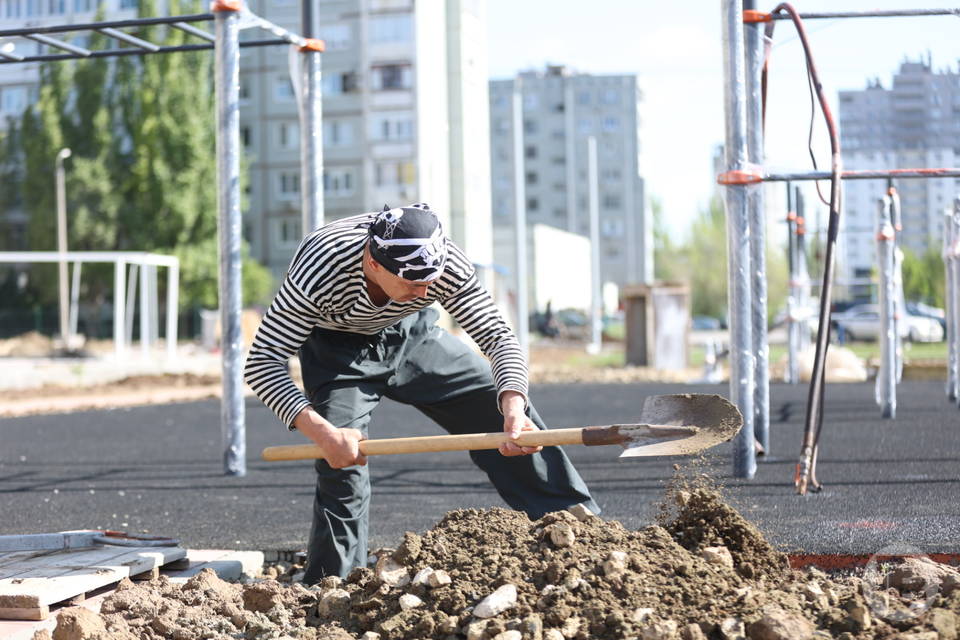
669,425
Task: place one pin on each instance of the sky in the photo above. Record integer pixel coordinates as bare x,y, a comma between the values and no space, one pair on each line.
675,48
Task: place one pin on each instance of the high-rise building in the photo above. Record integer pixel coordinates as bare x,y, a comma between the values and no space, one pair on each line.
404,119
561,110
914,123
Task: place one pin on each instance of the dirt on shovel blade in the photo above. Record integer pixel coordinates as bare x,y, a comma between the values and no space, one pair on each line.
494,574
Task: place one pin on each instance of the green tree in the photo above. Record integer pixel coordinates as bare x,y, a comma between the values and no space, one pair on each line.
142,176
924,278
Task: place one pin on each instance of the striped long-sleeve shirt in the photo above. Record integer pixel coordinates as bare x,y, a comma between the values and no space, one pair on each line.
325,287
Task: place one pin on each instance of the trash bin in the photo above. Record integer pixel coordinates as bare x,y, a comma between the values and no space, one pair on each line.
657,324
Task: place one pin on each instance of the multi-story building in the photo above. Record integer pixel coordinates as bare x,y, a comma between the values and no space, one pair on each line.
915,123
405,114
561,110
404,119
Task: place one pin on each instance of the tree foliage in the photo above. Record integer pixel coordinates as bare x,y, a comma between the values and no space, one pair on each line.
924,277
142,175
701,260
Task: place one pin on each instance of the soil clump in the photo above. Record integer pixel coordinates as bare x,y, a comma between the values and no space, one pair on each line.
496,575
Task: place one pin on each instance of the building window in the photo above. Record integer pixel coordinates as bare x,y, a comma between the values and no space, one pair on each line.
585,125
244,88
391,127
394,174
282,90
338,182
583,97
532,177
610,175
337,133
532,204
245,137
611,124
391,28
559,161
14,9
531,101
287,232
288,135
57,7
13,100
336,37
530,126
390,77
612,228
530,152
611,201
129,4
610,96
32,8
289,185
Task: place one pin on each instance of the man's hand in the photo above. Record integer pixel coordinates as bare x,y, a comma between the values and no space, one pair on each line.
515,421
341,447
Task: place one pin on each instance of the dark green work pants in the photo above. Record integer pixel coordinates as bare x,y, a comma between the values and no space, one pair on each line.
417,363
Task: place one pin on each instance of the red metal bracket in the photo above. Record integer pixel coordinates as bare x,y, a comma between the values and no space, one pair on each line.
314,44
752,16
740,177
226,5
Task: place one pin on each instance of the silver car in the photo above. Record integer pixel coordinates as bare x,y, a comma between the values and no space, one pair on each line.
862,322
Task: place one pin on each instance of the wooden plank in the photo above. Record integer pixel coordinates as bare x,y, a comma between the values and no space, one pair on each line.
24,613
59,562
53,583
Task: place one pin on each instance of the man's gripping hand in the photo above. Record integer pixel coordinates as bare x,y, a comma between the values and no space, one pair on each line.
341,447
514,421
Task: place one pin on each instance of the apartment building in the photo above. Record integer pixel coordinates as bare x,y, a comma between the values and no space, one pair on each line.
914,123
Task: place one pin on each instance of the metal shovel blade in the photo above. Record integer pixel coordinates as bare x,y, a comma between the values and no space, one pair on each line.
701,421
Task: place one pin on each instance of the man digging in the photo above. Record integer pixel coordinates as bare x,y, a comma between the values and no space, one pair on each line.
354,303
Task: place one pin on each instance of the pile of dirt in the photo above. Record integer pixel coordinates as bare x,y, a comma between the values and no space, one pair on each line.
496,575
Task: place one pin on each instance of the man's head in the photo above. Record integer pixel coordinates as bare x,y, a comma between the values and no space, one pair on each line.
409,245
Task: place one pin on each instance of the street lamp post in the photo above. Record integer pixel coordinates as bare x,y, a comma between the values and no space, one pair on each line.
62,242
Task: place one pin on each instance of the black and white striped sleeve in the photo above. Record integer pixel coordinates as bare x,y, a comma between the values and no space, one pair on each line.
474,309
285,327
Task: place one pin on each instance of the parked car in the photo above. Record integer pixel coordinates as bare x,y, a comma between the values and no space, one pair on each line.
705,323
927,311
862,322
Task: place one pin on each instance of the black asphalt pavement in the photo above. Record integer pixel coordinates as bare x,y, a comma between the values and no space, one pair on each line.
158,468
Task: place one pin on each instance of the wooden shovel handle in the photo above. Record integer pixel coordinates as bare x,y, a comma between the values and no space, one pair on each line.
424,444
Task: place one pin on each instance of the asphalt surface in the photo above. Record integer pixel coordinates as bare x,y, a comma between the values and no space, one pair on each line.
889,484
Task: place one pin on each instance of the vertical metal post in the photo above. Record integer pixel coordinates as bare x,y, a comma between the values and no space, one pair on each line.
311,123
596,293
145,332
803,286
173,302
753,57
738,239
955,268
887,375
119,303
62,155
520,218
951,304
227,79
899,302
792,373
153,302
75,298
131,301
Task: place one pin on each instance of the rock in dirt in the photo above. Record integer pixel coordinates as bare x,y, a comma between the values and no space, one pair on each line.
719,555
732,629
922,574
409,601
391,572
777,624
77,623
497,602
561,534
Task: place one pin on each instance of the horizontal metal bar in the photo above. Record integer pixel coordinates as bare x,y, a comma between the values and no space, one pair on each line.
78,52
876,13
92,26
125,37
129,257
109,53
868,174
200,33
10,56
